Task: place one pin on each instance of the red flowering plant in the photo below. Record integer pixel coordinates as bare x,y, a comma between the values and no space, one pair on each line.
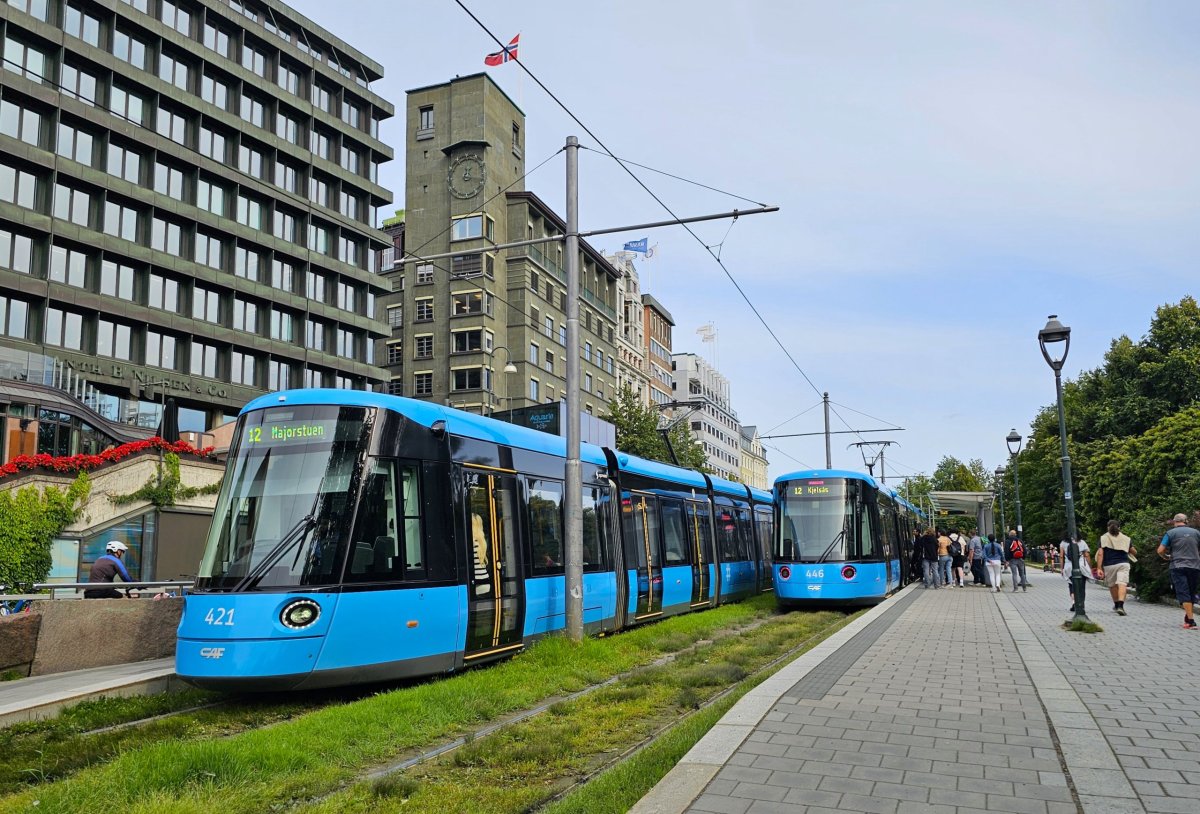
83,463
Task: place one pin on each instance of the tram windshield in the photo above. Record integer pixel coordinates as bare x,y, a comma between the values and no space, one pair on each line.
287,464
816,520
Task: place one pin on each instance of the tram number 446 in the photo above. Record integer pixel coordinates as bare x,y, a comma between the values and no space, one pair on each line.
809,573
220,616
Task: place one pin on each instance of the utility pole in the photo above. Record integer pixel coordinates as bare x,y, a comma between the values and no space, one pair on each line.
828,453
572,507
572,499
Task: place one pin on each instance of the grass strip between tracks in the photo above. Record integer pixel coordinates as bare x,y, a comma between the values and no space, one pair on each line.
315,756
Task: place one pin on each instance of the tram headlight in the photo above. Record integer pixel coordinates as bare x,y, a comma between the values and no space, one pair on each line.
848,571
301,613
785,572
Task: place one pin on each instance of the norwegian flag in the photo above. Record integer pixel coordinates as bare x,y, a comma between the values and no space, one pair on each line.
500,57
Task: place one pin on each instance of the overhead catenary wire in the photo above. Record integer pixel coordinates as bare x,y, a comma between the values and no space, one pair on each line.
737,286
676,177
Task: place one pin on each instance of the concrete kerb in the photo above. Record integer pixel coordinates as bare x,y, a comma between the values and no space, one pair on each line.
688,779
1100,783
30,699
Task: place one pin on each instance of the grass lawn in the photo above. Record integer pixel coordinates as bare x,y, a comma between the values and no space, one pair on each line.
315,761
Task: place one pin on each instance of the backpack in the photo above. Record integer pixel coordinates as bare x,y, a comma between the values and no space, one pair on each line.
1017,550
956,549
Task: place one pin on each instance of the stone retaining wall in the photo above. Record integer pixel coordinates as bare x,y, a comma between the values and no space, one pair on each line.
78,634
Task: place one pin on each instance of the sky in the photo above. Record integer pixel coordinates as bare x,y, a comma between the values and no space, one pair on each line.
948,175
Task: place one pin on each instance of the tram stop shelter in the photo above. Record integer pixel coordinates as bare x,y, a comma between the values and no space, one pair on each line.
965,504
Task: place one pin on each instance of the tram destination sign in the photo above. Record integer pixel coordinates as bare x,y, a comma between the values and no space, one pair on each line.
290,432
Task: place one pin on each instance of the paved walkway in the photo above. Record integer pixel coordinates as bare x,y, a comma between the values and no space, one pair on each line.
41,696
961,701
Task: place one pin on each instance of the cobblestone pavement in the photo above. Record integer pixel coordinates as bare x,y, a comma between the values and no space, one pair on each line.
969,701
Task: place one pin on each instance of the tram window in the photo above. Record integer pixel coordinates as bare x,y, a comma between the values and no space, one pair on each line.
744,534
727,536
641,529
675,544
546,526
387,533
593,558
868,545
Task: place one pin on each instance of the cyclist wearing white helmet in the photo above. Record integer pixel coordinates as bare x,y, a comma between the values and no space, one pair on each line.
105,569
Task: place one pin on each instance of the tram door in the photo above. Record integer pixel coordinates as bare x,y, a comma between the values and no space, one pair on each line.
494,599
699,529
639,516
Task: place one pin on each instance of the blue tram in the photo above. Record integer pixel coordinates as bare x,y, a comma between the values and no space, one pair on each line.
842,539
364,537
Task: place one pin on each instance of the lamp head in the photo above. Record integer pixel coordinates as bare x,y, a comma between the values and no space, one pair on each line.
1055,341
1014,441
999,472
510,367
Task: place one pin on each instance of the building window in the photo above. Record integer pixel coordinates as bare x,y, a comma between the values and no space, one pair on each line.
288,79
116,280
20,123
533,389
206,305
516,138
468,341
212,144
395,387
587,382
548,329
318,143
250,212
175,17
216,40
279,375
127,104
214,91
24,59
120,221
209,250
203,360
113,340
210,196
351,159
246,263
347,344
173,70
166,237
35,8
424,273
283,225
287,177
124,163
63,329
471,228
14,318
471,302
424,347
68,266
350,205
282,325
16,252
72,205
250,161
425,118
78,84
242,369
168,181
395,316
18,186
245,316
347,297
163,293
129,49
287,128
321,97
254,60
282,275
351,113
315,286
423,384
318,239
253,110
424,309
465,266
549,362
318,190
470,378
533,354
314,335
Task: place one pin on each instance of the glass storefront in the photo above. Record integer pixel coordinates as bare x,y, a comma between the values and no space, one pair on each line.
137,533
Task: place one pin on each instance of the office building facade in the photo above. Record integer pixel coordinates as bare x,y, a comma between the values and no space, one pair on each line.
715,424
187,198
458,321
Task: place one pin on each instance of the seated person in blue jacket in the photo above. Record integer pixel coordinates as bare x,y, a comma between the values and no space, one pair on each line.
105,568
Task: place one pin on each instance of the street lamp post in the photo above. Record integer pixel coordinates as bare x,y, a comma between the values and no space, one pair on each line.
1050,338
509,367
1000,494
1014,449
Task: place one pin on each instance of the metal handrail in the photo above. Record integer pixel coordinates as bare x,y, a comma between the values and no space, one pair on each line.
80,586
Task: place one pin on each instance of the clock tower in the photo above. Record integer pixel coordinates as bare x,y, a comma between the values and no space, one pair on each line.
464,142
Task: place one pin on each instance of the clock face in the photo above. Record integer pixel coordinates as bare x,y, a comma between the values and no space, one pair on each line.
466,176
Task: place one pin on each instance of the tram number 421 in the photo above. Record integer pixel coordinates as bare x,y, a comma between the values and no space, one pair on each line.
809,573
220,616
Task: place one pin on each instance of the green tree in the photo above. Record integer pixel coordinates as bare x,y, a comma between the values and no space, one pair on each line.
952,475
638,433
30,518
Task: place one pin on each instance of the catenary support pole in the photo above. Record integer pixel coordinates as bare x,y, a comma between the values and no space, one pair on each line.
828,449
572,499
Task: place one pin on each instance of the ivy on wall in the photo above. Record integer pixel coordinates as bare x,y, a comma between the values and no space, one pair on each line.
30,519
166,488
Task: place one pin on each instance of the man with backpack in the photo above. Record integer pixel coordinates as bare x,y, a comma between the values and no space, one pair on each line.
1014,550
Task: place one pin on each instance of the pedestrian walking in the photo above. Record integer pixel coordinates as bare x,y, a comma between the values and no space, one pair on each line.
1014,549
975,559
1085,560
927,545
1113,557
944,558
958,558
993,558
1181,545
